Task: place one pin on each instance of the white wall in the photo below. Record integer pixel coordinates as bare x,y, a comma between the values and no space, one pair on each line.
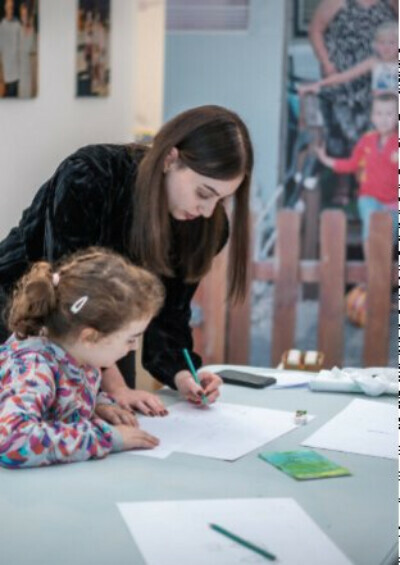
35,135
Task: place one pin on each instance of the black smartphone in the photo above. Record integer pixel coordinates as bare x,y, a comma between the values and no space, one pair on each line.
232,377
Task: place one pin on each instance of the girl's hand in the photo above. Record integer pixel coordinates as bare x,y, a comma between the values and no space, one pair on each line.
115,415
323,156
320,152
135,438
145,402
312,88
190,390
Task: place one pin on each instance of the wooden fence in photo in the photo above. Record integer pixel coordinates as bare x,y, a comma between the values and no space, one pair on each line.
224,334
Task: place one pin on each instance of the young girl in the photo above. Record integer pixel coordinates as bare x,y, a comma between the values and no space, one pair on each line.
383,65
68,324
375,160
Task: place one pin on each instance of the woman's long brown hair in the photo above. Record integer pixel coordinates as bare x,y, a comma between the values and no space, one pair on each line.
213,142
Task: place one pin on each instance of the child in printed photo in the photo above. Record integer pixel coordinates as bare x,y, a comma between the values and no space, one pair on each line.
375,160
382,65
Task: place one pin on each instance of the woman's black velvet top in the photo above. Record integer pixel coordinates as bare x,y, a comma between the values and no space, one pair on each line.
88,201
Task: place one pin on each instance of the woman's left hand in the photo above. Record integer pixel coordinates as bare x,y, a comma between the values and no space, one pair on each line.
116,415
189,389
141,400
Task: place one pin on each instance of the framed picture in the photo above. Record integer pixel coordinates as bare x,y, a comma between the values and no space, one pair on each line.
303,13
18,48
93,48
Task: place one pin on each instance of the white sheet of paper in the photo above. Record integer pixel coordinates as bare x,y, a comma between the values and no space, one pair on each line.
364,426
222,430
182,533
284,379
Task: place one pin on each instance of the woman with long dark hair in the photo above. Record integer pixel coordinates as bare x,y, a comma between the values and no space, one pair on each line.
163,208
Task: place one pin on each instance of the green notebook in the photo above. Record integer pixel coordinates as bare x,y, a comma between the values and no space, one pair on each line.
303,465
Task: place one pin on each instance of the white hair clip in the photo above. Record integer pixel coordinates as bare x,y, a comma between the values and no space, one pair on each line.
79,304
55,279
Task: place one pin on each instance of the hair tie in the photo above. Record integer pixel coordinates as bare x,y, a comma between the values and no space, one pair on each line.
79,304
55,279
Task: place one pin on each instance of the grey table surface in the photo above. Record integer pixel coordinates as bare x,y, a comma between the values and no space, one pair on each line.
67,514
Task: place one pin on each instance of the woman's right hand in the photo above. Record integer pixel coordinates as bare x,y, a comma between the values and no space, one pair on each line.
328,68
135,438
189,389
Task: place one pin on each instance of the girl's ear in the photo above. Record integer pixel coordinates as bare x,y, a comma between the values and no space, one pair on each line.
171,158
89,336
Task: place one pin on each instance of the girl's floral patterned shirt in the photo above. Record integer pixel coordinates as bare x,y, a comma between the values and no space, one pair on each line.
47,404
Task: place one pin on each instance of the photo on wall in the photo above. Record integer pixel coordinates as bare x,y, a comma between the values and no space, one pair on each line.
93,48
18,48
331,88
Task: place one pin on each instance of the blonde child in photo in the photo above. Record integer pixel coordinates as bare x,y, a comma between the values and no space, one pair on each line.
67,324
382,65
375,160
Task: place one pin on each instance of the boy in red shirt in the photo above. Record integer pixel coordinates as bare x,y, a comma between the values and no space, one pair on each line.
375,160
